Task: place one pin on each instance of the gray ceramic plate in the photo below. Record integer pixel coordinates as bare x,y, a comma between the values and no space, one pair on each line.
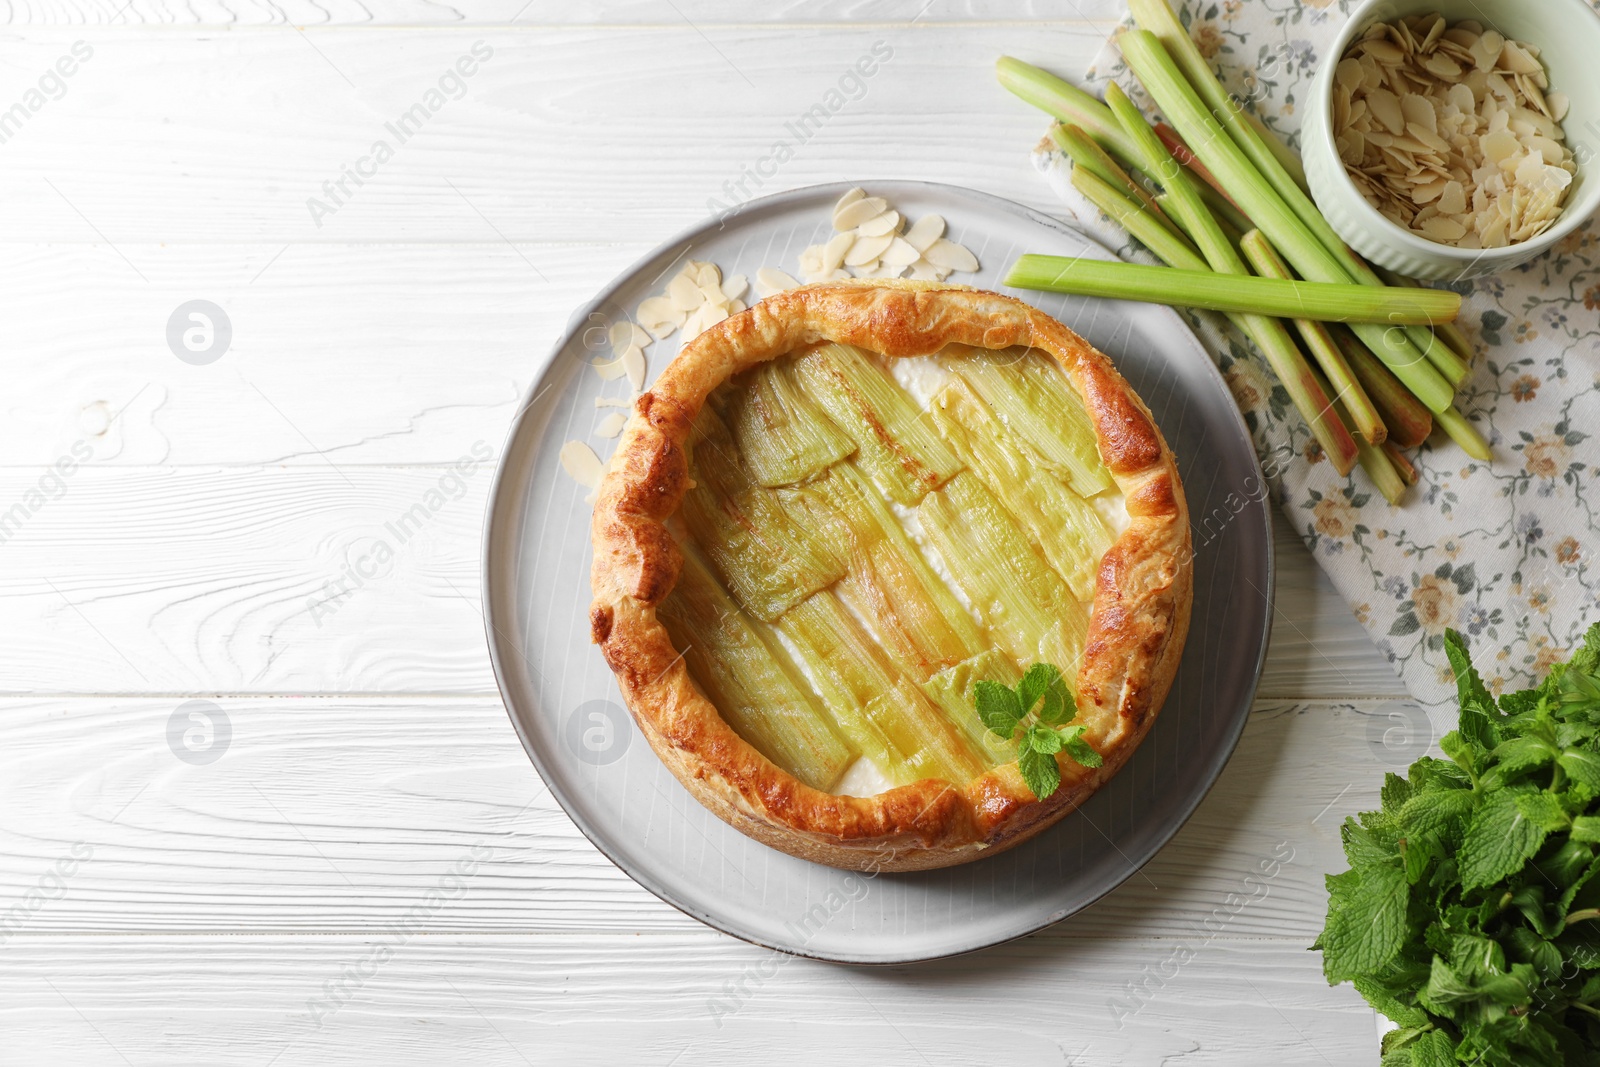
566,707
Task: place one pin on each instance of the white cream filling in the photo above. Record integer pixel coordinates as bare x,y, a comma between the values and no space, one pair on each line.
863,779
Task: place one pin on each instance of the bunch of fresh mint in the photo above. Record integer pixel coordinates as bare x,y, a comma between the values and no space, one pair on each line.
1471,912
1004,709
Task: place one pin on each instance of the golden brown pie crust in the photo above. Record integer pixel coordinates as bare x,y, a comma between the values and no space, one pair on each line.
1139,618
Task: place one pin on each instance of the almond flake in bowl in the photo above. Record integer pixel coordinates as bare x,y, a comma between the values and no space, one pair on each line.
1453,132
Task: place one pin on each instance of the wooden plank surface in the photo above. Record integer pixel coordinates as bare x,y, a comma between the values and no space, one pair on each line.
178,579
209,907
562,135
341,814
588,999
533,13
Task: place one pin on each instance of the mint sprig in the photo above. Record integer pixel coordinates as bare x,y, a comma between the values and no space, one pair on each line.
1470,915
1039,706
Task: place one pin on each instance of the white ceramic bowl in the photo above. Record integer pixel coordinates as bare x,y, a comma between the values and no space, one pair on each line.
1567,33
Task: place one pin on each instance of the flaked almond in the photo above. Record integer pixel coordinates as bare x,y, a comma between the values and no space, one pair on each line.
946,253
867,249
850,197
925,231
634,363
888,222
901,253
770,280
582,465
684,293
859,211
834,251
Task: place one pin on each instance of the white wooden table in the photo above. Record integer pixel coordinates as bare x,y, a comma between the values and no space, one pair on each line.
243,911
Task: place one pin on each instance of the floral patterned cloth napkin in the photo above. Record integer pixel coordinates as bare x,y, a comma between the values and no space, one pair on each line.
1505,552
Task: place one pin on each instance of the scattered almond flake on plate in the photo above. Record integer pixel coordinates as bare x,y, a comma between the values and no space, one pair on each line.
657,315
888,222
901,253
867,250
850,197
1452,131
634,363
611,425
684,292
859,211
611,370
582,465
875,240
925,231
624,333
946,253
770,280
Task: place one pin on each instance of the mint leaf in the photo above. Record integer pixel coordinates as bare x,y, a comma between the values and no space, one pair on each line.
1478,710
1079,749
1522,753
1433,1049
1035,681
1544,811
1471,912
998,707
1443,812
1364,848
1394,794
1386,999
1498,842
1366,930
1039,771
1058,704
1587,659
1043,739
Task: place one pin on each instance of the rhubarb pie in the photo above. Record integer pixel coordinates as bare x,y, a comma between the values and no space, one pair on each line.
837,513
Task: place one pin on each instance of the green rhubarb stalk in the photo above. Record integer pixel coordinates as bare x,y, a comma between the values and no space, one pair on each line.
1363,414
917,618
1379,467
1463,433
765,555
886,715
1448,332
1065,101
1407,469
1374,461
1090,157
954,690
743,669
1287,362
896,444
1174,251
1039,405
1286,156
1311,259
1409,422
1029,610
1267,334
1068,530
1321,301
1220,202
1274,162
780,431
